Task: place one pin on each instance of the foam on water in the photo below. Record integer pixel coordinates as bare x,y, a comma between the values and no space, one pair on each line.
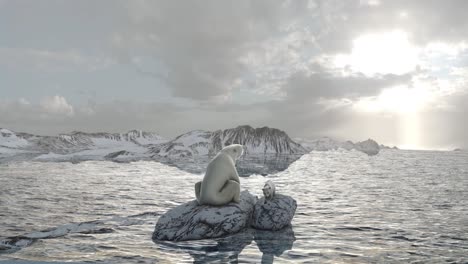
398,206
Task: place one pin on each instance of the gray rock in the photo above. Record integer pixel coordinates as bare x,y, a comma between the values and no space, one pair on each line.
274,214
191,221
370,147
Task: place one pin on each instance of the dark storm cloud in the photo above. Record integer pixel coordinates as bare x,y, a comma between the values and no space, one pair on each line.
304,87
201,44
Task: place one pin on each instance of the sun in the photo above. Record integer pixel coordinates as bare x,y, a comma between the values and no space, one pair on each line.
377,54
380,53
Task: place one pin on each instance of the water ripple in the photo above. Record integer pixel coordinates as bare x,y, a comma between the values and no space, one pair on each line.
398,206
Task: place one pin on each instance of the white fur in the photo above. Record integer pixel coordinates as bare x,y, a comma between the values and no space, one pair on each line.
269,190
221,182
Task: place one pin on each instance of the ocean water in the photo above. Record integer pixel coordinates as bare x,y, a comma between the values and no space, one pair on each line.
396,207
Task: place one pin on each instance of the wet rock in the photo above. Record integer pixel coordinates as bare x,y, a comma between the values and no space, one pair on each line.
191,221
15,243
114,155
275,213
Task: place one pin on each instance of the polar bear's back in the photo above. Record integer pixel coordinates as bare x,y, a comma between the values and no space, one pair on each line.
219,170
221,158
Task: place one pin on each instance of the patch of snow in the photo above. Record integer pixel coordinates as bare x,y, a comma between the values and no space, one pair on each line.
193,137
90,154
10,140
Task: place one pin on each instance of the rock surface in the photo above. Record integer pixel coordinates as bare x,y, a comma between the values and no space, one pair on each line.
370,147
191,221
274,214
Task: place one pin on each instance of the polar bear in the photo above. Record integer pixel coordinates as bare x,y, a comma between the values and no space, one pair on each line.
221,183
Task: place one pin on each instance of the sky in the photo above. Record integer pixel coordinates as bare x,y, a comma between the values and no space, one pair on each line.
395,71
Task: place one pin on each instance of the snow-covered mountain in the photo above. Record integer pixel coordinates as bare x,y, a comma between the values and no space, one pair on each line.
9,139
266,149
85,140
370,147
76,145
256,141
193,143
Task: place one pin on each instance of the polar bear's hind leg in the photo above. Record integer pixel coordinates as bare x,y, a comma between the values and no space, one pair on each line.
197,190
230,192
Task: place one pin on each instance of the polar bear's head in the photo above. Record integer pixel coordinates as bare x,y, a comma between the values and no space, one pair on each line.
269,190
234,151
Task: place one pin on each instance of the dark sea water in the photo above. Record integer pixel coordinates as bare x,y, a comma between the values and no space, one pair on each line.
396,207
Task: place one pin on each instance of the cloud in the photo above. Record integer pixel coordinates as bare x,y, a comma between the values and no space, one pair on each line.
49,111
222,64
54,115
436,127
50,61
56,105
427,21
446,127
318,85
201,45
209,50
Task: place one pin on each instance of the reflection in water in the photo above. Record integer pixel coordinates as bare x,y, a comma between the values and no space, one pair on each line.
264,164
246,165
227,249
274,243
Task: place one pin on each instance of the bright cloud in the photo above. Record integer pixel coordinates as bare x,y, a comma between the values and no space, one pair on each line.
399,99
57,105
381,53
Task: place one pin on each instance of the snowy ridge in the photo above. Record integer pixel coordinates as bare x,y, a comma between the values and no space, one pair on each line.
76,146
256,141
266,150
144,138
370,146
263,140
193,143
9,139
135,144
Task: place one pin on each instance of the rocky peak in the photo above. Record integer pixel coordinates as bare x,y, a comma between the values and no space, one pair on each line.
256,140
